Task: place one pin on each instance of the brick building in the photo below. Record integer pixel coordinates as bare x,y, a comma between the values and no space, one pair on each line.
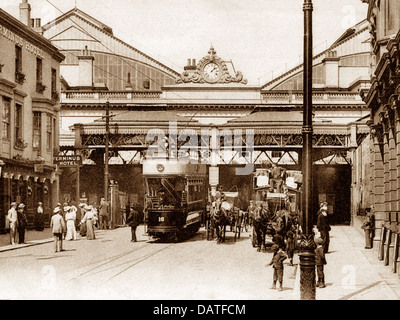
29,104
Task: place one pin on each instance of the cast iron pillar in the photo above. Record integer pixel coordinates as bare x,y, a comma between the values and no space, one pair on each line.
307,244
106,152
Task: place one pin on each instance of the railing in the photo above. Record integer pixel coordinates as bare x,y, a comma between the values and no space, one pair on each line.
326,96
115,95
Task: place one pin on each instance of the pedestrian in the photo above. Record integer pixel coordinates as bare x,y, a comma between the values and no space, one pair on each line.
12,217
70,218
290,246
39,217
251,212
22,223
80,214
104,214
89,220
323,226
278,240
369,227
133,221
320,261
277,263
57,225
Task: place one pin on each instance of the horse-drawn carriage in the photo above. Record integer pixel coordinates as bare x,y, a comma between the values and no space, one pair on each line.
271,217
224,212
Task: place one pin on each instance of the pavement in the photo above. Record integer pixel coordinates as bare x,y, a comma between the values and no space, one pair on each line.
351,273
32,237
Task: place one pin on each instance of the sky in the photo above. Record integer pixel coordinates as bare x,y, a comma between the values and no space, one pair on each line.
262,38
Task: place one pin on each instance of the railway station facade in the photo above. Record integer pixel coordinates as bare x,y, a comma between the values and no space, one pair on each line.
210,103
234,123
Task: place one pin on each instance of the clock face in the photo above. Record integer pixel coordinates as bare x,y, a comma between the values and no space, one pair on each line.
212,72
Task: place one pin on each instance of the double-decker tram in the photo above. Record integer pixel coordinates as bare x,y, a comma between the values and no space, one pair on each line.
176,197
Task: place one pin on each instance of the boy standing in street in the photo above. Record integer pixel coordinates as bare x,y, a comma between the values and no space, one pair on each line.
277,263
320,261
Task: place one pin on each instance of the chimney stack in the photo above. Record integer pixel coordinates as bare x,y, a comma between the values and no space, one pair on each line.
86,68
25,12
37,25
191,65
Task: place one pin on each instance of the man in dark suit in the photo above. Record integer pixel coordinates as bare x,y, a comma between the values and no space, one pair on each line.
323,226
133,221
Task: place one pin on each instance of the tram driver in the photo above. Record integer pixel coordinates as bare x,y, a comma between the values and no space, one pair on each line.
162,199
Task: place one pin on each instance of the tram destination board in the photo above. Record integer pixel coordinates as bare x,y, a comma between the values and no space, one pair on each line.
68,161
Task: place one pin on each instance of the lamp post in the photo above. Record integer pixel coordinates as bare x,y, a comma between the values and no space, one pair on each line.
307,244
106,151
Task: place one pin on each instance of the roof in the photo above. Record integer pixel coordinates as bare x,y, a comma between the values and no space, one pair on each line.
32,35
129,117
85,16
104,29
345,37
285,117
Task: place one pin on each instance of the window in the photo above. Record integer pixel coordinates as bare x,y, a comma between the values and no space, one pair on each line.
37,128
6,118
18,126
19,77
39,67
18,59
54,136
49,129
54,93
392,10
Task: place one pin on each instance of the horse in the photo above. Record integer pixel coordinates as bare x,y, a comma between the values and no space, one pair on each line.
262,226
221,218
237,219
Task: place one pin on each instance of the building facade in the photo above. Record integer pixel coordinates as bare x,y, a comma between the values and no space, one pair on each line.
29,117
382,99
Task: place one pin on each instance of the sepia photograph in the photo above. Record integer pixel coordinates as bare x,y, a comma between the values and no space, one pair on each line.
199,155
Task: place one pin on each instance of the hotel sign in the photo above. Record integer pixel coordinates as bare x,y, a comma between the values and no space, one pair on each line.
6,33
68,161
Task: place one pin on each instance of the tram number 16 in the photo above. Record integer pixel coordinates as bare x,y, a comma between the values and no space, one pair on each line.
161,219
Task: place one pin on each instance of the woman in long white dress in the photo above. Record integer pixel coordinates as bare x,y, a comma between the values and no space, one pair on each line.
89,220
70,217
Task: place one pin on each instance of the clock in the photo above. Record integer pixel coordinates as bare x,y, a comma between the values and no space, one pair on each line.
212,72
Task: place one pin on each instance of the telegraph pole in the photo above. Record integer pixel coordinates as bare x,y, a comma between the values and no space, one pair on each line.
307,244
106,151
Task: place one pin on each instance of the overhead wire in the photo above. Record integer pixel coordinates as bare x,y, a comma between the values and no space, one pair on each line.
124,60
128,63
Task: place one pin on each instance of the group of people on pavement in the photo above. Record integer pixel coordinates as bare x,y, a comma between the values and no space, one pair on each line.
18,223
67,221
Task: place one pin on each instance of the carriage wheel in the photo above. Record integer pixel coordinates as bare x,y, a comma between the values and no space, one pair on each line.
235,231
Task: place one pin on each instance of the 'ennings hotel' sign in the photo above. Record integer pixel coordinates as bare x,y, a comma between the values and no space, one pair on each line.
68,161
